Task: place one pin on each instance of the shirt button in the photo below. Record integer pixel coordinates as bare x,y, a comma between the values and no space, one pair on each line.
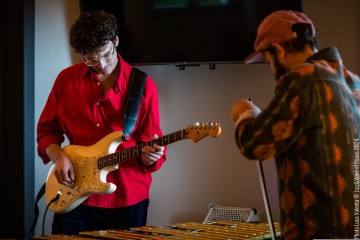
98,125
98,103
98,83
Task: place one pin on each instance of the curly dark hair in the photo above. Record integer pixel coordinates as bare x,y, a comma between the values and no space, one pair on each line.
93,30
296,44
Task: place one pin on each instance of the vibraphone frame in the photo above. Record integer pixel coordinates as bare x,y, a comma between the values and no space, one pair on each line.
190,230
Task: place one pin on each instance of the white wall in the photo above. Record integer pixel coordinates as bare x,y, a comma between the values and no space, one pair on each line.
52,53
211,170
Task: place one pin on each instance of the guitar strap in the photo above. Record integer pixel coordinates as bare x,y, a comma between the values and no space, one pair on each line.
136,87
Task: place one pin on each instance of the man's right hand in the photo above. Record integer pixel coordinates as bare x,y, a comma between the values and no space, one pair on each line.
64,170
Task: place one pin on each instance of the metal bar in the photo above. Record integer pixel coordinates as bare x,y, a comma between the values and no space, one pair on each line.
266,199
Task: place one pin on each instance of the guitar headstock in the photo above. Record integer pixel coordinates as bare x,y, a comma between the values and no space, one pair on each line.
198,131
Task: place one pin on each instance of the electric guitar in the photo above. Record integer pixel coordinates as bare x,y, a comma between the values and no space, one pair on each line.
93,163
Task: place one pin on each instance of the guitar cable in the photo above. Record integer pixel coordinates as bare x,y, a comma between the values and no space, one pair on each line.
36,208
58,194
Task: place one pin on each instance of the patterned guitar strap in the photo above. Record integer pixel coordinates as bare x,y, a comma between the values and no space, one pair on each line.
136,88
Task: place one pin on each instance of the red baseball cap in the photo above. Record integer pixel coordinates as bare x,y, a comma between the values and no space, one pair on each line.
276,27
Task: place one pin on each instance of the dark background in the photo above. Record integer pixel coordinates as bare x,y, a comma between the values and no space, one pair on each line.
17,118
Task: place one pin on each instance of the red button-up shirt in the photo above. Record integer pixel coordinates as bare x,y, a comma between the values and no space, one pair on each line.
77,108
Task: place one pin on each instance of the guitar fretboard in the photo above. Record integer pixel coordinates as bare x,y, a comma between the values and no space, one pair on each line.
135,151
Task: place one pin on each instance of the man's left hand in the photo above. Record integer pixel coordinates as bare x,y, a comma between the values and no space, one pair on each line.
151,154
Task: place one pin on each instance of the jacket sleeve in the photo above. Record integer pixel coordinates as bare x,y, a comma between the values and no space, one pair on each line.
275,128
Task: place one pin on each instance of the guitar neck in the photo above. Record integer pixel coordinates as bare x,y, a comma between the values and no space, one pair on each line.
135,151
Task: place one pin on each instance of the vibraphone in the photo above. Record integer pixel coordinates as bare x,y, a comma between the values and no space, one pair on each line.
211,230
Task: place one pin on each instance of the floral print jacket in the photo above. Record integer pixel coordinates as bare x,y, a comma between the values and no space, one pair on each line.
311,127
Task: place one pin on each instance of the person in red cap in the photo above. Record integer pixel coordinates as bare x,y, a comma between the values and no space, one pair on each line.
311,127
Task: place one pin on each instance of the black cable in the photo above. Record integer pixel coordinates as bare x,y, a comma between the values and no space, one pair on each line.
36,208
47,208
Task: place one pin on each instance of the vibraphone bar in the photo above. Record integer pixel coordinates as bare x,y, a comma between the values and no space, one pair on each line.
211,230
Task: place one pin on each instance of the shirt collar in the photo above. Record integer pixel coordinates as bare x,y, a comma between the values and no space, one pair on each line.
328,54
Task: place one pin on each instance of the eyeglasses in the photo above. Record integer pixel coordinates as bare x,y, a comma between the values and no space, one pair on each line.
107,57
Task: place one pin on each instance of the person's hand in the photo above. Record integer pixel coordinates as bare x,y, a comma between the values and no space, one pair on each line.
242,106
64,170
151,154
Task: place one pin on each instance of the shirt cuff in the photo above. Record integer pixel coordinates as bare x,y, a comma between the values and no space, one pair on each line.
251,113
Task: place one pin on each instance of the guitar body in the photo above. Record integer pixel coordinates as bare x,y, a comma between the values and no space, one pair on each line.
88,178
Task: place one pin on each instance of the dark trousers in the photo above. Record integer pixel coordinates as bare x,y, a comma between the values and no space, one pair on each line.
85,218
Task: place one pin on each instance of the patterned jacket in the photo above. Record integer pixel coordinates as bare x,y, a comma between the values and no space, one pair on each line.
312,129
